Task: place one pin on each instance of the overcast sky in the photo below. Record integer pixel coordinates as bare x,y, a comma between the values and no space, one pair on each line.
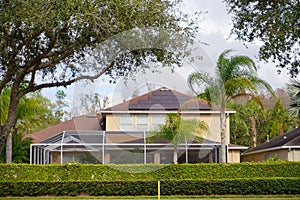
215,31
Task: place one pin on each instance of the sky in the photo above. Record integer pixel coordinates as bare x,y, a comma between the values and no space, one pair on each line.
214,31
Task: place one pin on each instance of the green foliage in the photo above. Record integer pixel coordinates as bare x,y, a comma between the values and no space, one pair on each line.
273,23
129,172
20,149
56,43
60,105
294,92
274,159
280,120
259,186
199,179
177,130
235,76
247,123
268,123
34,113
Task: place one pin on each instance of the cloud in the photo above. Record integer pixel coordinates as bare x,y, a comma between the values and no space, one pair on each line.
216,32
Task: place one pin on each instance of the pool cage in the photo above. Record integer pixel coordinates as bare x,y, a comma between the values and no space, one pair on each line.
117,147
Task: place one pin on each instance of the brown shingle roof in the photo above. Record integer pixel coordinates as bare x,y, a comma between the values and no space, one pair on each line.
77,123
160,99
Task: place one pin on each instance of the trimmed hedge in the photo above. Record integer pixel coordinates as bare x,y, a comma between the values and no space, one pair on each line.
182,179
269,186
78,172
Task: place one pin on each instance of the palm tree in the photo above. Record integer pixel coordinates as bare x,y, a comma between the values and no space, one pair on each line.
177,130
294,92
235,76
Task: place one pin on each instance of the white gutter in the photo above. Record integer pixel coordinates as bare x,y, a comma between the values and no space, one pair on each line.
166,112
120,144
237,148
271,149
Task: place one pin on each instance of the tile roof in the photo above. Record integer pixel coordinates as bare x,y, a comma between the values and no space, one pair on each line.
83,122
161,99
289,139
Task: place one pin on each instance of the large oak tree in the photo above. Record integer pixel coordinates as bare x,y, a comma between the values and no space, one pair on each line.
49,43
275,24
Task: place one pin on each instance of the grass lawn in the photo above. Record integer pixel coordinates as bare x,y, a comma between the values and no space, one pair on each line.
277,197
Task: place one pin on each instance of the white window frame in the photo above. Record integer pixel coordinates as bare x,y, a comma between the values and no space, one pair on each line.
157,120
126,122
142,122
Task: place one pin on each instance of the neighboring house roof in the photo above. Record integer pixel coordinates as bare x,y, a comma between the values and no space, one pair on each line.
291,139
162,99
83,122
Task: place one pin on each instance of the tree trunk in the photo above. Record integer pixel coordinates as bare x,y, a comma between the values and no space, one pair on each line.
223,131
281,129
9,148
175,155
254,131
9,124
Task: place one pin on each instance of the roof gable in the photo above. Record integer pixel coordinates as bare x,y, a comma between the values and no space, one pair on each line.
160,99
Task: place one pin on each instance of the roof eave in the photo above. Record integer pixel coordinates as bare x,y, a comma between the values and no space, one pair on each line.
270,149
163,111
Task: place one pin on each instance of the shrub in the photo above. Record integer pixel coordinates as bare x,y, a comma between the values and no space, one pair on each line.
184,179
79,172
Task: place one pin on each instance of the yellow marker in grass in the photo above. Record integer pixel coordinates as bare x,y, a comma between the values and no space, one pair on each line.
158,190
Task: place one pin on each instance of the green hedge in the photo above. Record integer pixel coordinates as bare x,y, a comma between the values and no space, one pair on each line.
77,172
183,179
268,186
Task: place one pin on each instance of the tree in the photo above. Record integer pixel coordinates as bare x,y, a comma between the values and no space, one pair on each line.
92,104
235,76
34,112
20,149
248,126
60,105
294,91
280,120
280,94
239,129
273,23
177,130
56,43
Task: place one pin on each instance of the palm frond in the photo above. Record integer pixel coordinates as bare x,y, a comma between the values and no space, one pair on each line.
199,80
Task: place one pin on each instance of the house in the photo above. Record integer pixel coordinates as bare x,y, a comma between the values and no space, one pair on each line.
120,134
284,147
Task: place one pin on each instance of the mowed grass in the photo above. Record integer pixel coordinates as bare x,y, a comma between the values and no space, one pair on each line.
251,197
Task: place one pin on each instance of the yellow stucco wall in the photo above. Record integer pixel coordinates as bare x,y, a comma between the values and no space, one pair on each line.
213,121
113,122
234,156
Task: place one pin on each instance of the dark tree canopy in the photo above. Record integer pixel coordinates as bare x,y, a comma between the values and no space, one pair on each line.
49,43
273,22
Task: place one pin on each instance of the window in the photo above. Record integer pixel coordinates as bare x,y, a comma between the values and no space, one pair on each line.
71,159
142,122
126,123
157,120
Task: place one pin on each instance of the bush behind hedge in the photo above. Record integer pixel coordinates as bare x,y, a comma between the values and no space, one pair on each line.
79,172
